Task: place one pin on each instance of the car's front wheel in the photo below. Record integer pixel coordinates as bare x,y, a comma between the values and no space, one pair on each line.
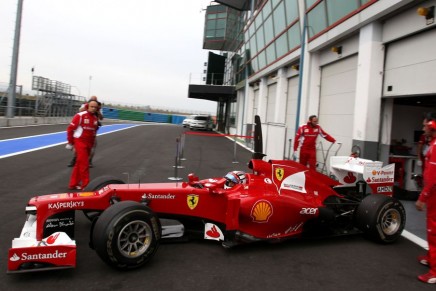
126,235
381,218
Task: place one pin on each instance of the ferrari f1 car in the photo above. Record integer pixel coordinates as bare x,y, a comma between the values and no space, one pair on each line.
280,199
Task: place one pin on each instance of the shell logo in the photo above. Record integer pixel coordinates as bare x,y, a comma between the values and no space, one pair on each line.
261,211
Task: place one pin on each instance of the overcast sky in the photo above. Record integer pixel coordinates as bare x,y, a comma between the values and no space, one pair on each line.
142,52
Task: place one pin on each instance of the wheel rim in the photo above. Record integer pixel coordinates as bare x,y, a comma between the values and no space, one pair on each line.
391,221
134,239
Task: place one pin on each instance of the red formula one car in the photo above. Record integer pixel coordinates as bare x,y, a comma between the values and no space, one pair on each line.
280,199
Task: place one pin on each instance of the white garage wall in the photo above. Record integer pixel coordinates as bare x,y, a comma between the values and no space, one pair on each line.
255,102
291,113
271,102
411,65
338,88
275,139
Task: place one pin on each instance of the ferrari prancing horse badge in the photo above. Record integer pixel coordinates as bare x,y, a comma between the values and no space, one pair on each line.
192,201
279,173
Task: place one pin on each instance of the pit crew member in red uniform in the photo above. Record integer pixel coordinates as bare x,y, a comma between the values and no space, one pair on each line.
98,113
305,141
423,144
428,198
81,134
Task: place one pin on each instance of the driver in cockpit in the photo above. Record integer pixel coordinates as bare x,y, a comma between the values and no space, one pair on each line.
233,178
230,180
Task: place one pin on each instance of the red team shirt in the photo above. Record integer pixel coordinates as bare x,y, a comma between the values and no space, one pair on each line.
306,137
430,172
84,127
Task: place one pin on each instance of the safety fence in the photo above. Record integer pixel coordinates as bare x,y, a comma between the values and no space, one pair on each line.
180,148
114,113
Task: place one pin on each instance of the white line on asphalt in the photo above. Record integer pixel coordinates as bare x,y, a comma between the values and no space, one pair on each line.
417,240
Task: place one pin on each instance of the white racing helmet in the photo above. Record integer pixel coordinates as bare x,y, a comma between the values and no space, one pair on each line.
233,178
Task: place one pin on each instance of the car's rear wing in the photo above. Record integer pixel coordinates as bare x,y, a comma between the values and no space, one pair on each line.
349,171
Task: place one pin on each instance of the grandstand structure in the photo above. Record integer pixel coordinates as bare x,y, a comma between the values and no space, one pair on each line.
54,98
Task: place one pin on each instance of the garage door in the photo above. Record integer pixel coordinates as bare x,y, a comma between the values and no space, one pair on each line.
291,113
336,109
271,103
273,133
252,111
255,103
411,66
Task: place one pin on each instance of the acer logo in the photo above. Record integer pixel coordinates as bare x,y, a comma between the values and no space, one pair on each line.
310,211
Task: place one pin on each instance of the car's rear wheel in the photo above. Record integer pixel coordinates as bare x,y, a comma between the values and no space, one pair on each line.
97,184
381,218
126,235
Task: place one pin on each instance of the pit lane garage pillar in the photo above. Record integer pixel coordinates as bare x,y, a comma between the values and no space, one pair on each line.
367,105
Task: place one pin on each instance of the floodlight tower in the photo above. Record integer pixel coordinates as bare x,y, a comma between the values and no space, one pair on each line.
10,112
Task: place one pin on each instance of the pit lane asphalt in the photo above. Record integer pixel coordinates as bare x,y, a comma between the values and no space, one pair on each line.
148,153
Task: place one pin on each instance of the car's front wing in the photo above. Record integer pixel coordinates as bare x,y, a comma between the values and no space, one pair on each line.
56,251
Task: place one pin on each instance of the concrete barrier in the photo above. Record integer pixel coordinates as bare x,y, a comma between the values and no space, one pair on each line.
30,120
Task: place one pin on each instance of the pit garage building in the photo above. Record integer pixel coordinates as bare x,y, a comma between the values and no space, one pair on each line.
367,68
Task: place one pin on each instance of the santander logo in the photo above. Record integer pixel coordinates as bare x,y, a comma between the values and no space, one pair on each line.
213,232
52,239
350,178
14,258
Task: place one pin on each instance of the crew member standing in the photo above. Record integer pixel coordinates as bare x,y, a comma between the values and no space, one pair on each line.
99,115
81,134
305,140
428,198
423,143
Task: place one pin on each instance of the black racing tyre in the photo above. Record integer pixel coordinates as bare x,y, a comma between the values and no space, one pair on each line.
381,218
126,235
95,185
102,181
